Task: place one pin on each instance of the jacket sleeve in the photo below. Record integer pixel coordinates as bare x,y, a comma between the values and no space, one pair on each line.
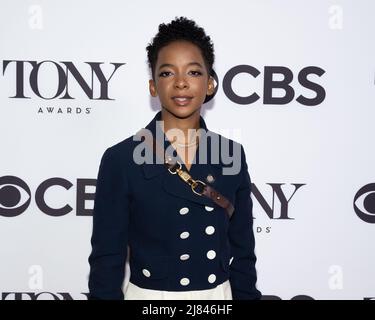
243,275
110,230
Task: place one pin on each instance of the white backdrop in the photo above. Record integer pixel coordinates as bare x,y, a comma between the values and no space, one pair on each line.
317,242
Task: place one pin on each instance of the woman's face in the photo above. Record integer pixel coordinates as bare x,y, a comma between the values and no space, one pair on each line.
181,79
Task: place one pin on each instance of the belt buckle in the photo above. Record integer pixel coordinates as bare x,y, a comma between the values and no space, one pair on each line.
174,167
195,184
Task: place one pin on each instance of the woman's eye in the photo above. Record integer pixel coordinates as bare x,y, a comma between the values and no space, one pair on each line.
196,73
164,74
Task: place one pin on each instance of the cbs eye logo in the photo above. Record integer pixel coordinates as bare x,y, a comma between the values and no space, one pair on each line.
364,203
15,196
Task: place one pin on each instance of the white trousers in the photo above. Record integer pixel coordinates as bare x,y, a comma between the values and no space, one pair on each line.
221,292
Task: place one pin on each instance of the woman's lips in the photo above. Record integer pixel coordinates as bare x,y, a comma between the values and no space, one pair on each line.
182,100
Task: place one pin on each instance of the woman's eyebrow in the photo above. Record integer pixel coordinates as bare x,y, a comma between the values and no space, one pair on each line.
189,64
195,64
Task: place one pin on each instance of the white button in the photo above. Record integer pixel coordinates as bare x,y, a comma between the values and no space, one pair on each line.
211,278
184,235
146,273
208,208
184,257
184,210
210,230
230,261
211,254
184,281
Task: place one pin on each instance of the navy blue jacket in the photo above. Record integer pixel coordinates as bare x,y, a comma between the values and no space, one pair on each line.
178,240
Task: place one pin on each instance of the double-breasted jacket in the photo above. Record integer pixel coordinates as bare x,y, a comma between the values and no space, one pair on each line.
178,240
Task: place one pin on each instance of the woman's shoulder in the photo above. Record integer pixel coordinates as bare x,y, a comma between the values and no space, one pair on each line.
120,151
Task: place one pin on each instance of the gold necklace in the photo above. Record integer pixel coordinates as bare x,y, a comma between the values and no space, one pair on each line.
189,144
186,144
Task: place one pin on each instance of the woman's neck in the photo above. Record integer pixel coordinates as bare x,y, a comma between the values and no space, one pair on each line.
187,127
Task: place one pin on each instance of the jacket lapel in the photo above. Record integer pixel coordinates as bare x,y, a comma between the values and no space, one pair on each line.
172,183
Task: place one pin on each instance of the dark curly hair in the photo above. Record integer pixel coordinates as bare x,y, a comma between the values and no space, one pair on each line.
181,29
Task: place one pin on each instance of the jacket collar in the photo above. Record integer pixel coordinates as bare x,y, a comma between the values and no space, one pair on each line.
172,183
155,128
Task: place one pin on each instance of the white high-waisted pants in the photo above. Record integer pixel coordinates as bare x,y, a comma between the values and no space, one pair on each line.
221,292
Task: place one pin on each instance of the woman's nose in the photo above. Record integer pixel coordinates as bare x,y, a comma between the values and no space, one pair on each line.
181,82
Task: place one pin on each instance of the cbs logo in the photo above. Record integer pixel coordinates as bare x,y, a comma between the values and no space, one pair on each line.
15,196
364,203
270,85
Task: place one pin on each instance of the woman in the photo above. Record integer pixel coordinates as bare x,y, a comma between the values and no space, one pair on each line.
188,221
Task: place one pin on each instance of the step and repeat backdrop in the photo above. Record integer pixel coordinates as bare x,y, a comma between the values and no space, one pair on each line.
295,85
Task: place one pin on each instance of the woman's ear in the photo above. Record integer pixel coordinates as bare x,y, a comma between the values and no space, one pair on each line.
211,86
152,88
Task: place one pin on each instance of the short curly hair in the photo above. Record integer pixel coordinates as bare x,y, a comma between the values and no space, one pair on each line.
181,28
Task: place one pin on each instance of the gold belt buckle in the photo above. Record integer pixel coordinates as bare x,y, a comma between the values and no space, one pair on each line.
195,184
174,166
186,177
